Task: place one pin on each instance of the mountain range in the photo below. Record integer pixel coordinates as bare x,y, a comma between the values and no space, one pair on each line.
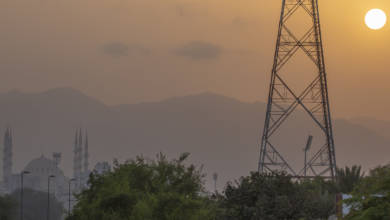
221,133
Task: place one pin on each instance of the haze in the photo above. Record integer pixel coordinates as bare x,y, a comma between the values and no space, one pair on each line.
129,51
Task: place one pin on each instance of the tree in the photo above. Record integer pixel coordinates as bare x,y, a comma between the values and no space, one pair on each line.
348,178
146,189
35,205
320,198
371,198
8,208
276,196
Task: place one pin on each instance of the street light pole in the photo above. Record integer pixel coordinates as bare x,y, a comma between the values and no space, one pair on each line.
21,193
70,181
48,196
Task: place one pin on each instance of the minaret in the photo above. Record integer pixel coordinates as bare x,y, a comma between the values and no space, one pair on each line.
7,160
80,158
75,156
86,154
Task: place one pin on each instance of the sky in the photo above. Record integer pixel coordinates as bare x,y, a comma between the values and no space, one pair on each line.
130,51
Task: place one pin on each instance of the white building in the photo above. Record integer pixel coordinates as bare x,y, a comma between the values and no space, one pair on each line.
38,179
40,169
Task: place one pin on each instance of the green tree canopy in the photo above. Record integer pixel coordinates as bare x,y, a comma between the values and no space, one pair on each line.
145,189
371,198
276,196
8,208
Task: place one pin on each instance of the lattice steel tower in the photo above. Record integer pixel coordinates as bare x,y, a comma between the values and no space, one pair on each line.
298,94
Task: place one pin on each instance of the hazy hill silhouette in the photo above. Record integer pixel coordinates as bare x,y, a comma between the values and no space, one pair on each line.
380,126
220,132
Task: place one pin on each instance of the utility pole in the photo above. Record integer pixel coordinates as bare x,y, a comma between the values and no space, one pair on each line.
21,192
48,195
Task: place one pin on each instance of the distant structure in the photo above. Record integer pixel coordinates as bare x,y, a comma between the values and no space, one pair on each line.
86,157
7,157
215,178
77,158
102,168
39,168
81,170
301,87
42,167
57,158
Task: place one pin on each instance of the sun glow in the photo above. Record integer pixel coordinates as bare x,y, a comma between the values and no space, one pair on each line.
375,19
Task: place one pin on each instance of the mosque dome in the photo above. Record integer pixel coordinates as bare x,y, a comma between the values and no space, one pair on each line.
40,169
43,166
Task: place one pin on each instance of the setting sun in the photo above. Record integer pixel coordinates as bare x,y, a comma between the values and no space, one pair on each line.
375,19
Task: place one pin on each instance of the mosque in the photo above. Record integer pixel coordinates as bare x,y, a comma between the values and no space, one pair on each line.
41,168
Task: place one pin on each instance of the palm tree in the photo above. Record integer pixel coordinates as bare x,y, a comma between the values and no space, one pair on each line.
348,178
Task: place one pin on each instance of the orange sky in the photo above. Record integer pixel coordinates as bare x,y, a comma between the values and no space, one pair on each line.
126,51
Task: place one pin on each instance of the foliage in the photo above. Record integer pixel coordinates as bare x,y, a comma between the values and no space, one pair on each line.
146,189
348,178
171,190
371,198
35,205
276,196
8,208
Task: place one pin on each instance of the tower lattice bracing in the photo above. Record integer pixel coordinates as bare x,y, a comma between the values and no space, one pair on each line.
298,103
